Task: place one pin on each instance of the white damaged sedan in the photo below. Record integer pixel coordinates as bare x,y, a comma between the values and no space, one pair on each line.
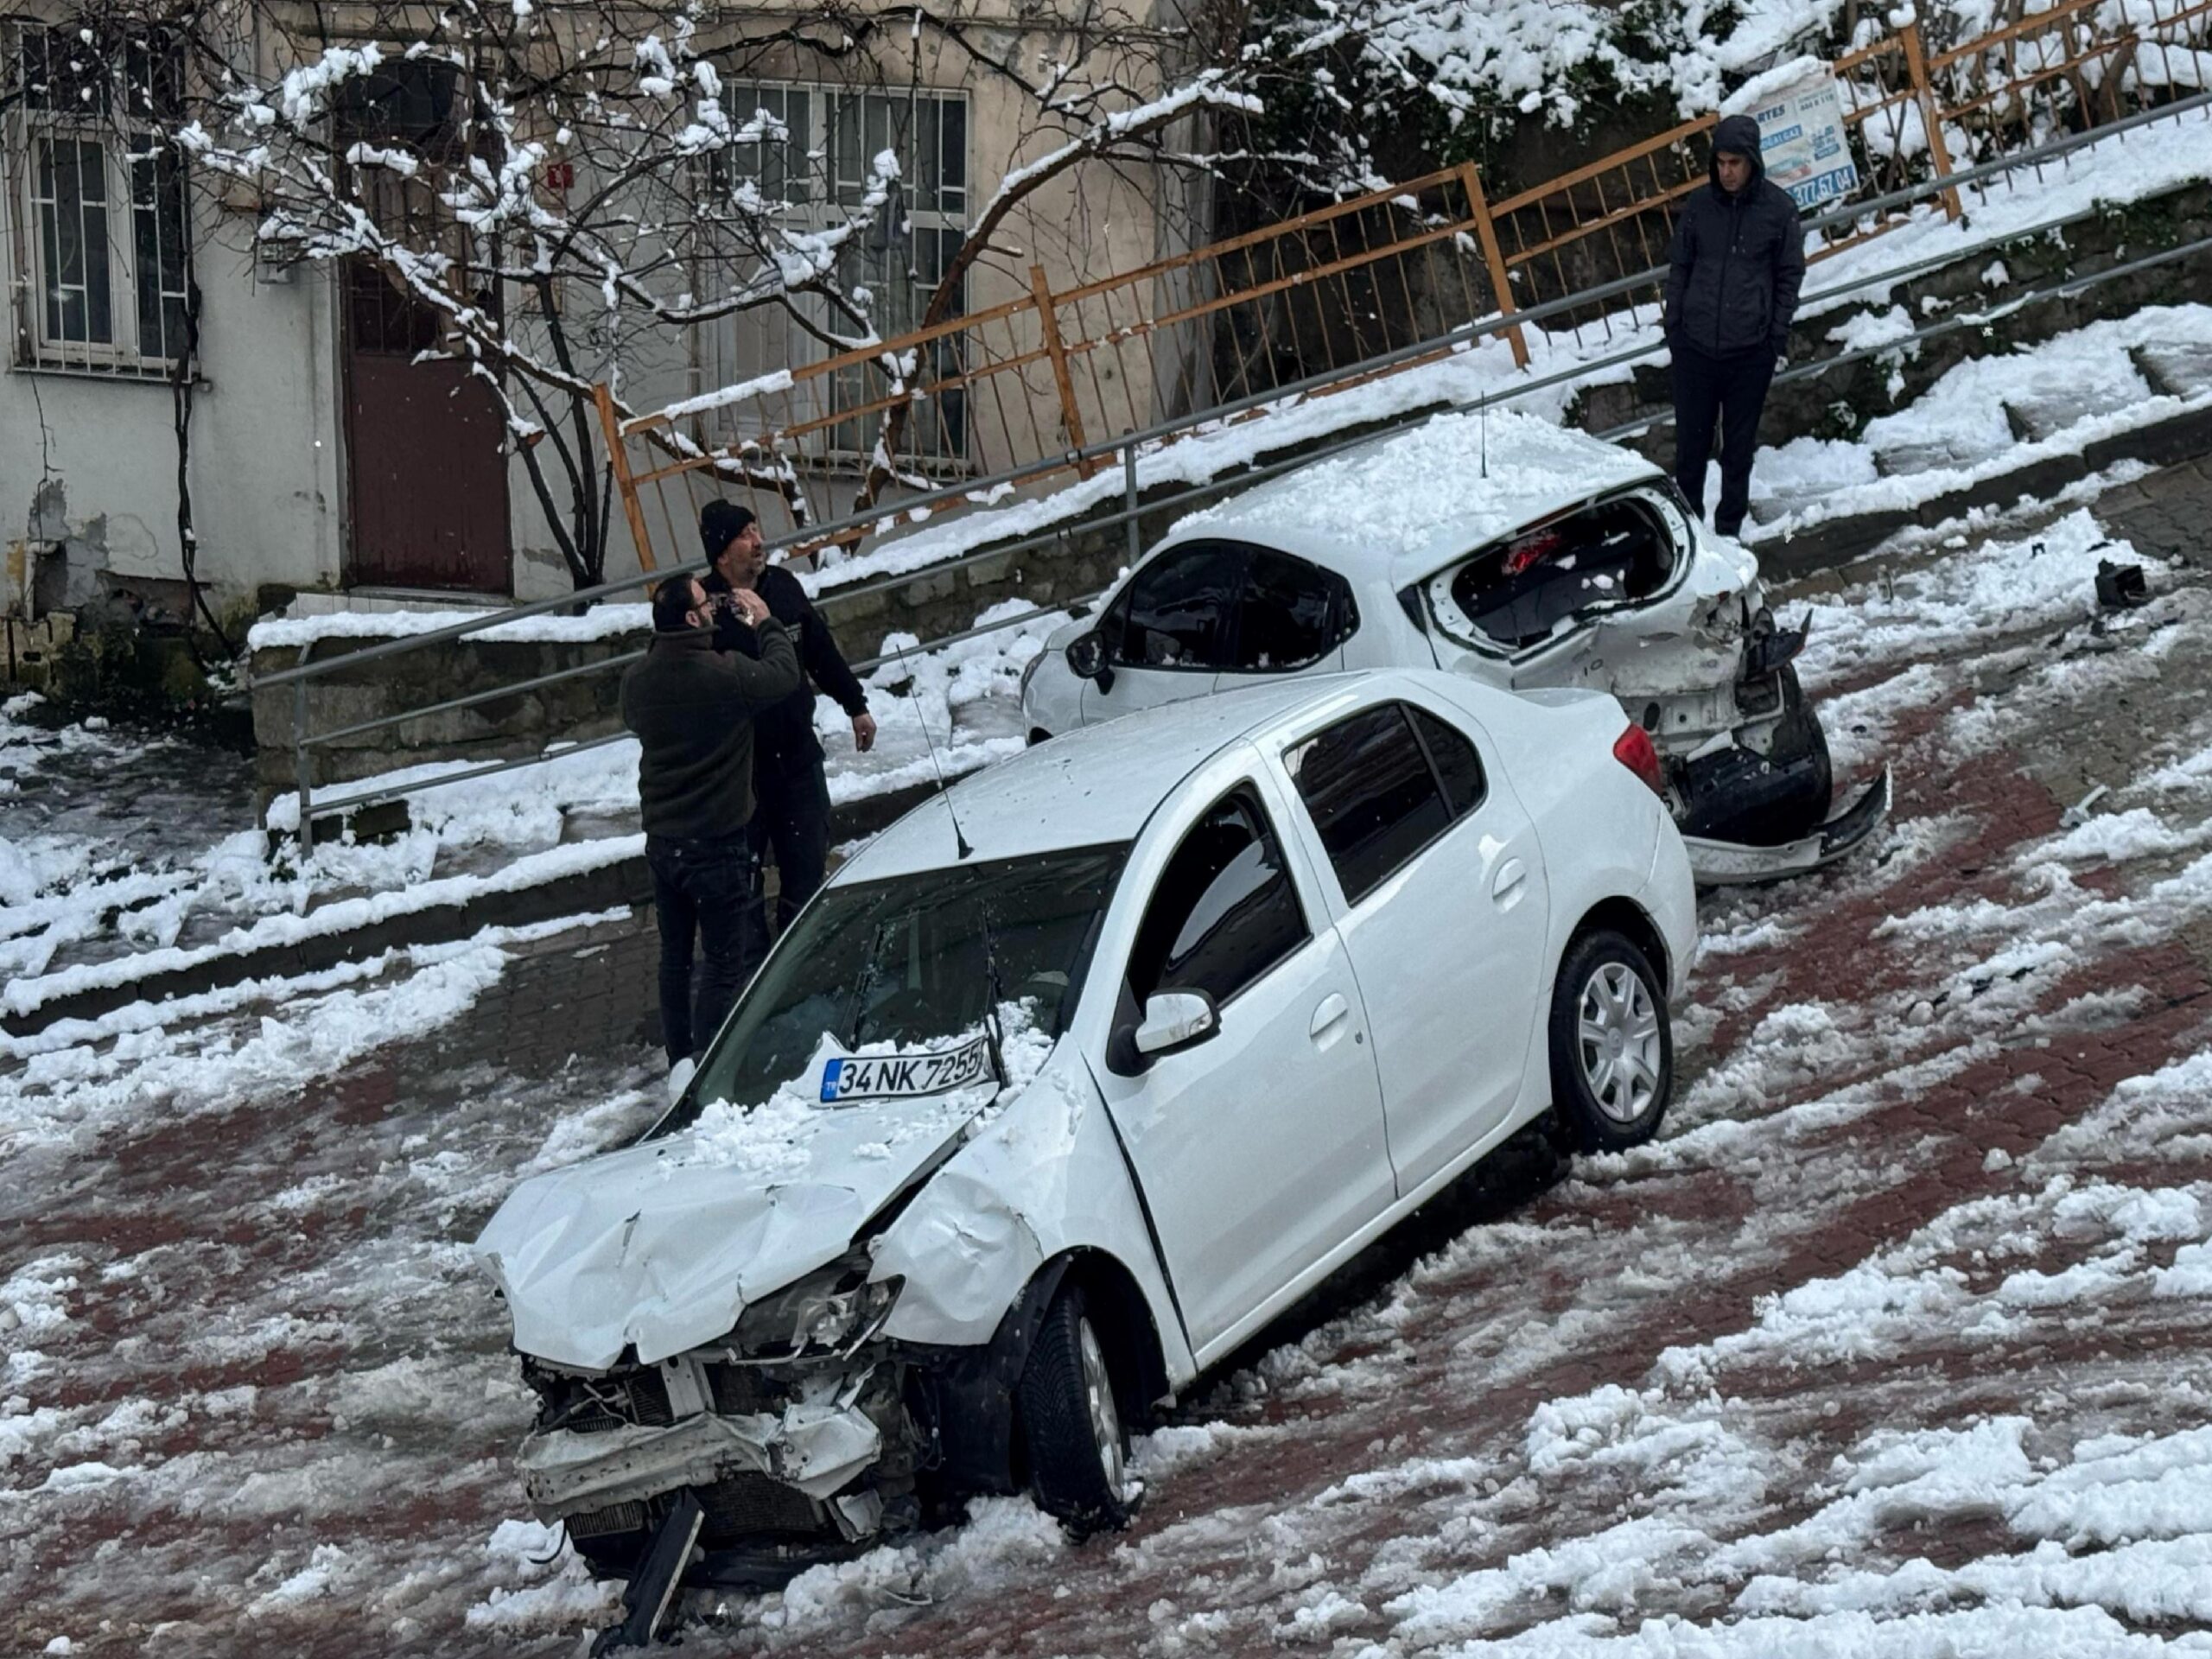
1066,1085
1513,551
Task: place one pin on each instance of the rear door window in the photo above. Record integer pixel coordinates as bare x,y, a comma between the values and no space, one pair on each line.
1459,768
1522,591
1177,612
1225,910
1373,796
1291,613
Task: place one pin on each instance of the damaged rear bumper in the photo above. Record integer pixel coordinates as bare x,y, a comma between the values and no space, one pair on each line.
1727,863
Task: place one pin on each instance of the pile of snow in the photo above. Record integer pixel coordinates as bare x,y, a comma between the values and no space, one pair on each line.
633,622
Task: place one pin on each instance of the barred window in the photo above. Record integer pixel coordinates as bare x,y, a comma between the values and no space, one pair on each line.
100,241
814,160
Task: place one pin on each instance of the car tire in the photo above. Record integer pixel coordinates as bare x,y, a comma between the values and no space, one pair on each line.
1612,1045
1072,1422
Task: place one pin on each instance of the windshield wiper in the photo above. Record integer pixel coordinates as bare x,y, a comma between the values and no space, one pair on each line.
857,1018
993,994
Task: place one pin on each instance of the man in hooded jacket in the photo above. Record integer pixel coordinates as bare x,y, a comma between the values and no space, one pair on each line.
1734,269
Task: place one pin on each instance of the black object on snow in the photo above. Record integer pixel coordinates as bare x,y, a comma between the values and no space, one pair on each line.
647,1601
2119,586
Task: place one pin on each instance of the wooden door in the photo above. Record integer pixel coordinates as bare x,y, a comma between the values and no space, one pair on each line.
426,466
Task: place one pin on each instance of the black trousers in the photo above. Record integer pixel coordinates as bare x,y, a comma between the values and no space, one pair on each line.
791,823
1729,391
708,890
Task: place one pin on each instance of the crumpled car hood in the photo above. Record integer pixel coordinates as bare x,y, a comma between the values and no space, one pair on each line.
661,1245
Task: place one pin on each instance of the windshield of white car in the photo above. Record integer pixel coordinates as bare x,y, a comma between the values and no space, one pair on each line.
909,961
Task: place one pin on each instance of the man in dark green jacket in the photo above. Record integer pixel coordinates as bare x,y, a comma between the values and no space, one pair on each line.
692,708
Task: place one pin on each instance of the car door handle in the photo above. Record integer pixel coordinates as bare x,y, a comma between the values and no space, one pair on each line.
1512,878
1329,1021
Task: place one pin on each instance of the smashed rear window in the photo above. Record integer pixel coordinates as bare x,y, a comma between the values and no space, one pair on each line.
1521,591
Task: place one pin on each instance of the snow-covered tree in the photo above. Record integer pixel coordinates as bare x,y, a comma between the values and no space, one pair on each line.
564,194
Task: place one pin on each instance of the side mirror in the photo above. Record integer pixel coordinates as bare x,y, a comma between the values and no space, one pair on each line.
1176,1019
1086,655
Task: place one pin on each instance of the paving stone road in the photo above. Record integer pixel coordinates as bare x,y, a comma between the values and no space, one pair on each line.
1852,1229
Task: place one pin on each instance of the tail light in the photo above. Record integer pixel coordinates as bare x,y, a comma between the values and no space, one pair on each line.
1633,749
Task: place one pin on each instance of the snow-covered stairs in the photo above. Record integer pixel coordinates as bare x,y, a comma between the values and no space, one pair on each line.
209,906
1991,430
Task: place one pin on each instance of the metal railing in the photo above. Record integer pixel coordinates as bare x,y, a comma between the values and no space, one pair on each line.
1127,451
1023,383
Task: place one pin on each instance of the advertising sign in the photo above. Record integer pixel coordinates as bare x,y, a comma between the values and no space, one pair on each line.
1802,139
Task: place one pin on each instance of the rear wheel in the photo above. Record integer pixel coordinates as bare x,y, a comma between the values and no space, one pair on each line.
1071,1422
1613,1046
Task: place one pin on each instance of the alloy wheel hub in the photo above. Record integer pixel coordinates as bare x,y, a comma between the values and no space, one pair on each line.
1617,1026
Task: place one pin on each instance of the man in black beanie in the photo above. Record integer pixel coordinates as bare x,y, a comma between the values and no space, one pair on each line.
792,819
695,710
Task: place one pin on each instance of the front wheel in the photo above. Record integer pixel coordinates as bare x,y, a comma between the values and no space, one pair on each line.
1072,1422
1613,1047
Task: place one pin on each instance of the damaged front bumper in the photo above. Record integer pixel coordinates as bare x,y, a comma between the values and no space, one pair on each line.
789,1467
814,1449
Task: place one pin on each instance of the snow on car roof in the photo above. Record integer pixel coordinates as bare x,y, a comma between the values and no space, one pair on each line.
1085,788
1407,505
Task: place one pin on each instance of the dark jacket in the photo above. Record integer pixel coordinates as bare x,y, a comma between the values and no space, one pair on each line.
783,736
693,708
1737,262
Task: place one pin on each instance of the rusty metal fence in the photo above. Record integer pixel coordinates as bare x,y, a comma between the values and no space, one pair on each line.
1025,387
1122,455
1023,393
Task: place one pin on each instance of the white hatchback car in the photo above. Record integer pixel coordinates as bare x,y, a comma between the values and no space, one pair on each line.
1515,552
1068,1083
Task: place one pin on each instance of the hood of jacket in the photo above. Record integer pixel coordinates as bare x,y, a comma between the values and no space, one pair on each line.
1738,134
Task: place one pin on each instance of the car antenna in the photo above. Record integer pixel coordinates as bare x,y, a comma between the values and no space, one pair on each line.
1485,425
959,840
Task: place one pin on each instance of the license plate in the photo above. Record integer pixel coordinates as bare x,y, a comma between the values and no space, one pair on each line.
889,1076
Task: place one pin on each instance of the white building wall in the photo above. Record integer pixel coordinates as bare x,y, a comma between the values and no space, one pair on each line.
100,450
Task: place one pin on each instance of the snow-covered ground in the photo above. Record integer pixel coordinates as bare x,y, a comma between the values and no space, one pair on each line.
1896,1344
85,908
65,933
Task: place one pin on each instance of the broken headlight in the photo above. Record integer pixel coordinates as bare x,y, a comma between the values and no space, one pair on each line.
825,1312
